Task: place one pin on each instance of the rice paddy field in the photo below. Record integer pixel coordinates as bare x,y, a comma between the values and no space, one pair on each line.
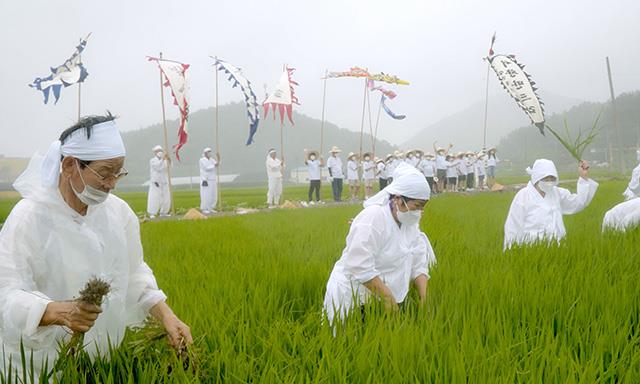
251,288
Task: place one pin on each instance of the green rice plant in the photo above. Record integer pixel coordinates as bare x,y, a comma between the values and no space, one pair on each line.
577,146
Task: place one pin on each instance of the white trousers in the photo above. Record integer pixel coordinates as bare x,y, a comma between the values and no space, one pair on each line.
208,195
275,190
159,200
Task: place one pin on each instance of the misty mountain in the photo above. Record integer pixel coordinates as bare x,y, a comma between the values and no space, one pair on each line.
525,144
238,158
465,128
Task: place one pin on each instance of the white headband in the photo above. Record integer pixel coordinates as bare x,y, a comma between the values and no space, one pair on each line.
105,143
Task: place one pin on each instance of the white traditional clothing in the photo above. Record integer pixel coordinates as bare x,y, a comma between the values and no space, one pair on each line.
48,252
377,247
208,184
159,198
533,217
623,216
274,174
633,189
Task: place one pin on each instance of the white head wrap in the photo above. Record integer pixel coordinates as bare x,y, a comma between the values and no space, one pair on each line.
105,143
407,181
156,148
541,169
206,150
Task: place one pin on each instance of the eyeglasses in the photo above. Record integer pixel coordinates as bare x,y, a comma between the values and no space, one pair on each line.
120,174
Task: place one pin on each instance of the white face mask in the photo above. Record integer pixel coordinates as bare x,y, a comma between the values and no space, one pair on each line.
90,195
409,217
366,158
312,157
546,186
159,154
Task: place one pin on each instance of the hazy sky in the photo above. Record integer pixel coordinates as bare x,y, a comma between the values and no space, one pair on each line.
437,45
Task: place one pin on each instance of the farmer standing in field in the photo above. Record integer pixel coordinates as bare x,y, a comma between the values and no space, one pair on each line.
208,181
536,211
626,215
275,170
385,250
314,165
159,199
334,166
68,228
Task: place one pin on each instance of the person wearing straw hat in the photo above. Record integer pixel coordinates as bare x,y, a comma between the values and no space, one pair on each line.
368,174
441,165
410,158
417,158
452,173
381,172
275,170
386,252
314,163
536,212
208,181
492,162
389,166
334,166
471,166
159,197
481,170
67,229
352,176
428,168
462,171
397,160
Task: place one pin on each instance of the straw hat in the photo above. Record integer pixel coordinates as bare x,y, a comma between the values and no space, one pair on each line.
367,154
350,155
312,152
156,148
459,154
470,153
334,149
389,157
418,151
429,155
408,153
439,149
397,154
378,160
492,149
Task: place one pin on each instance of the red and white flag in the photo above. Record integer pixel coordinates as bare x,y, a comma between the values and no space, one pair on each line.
283,97
174,75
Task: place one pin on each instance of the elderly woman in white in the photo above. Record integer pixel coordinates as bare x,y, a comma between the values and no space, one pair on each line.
536,211
67,229
385,249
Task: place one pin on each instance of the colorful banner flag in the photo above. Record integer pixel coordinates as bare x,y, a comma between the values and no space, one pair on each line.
283,97
237,79
520,86
65,75
174,75
352,72
387,92
388,111
388,79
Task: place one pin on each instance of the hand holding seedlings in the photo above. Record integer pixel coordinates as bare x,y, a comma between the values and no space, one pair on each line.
75,315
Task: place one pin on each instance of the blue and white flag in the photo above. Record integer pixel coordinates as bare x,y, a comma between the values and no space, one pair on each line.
237,79
67,74
389,111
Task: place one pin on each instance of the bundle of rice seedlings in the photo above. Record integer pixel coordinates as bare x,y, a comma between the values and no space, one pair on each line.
93,293
577,146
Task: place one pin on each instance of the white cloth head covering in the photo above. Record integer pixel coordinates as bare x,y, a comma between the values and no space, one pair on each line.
407,181
272,150
105,143
156,148
206,150
541,169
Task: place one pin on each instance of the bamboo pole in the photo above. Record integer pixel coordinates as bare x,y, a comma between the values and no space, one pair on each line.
373,142
217,141
375,134
364,105
486,106
324,97
166,140
615,120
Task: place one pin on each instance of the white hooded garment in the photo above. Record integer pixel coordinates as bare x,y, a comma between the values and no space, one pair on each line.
534,218
377,247
208,183
48,252
159,197
274,174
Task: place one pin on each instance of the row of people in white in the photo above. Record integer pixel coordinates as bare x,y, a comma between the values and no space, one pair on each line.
159,197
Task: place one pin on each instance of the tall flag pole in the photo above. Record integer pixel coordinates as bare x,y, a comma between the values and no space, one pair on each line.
324,97
217,142
486,92
166,139
70,72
